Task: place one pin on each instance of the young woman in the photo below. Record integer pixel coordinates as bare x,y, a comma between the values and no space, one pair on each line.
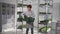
31,17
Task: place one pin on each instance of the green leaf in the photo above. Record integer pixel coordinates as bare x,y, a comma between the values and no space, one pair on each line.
43,29
21,26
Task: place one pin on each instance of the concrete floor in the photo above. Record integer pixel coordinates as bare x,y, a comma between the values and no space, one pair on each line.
19,31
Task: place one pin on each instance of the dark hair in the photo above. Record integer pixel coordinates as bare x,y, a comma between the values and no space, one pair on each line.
29,6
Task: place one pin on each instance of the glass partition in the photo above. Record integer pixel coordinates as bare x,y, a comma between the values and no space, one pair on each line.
7,13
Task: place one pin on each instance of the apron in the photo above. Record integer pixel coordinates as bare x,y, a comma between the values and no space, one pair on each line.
29,25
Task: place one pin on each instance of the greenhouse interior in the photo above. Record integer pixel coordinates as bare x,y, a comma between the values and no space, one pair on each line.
46,17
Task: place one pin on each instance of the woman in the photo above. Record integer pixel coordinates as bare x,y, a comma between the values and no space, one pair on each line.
30,18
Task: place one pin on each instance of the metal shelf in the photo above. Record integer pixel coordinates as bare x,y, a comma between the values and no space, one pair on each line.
44,13
20,5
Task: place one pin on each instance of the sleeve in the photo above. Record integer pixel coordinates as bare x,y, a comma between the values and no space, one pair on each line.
23,13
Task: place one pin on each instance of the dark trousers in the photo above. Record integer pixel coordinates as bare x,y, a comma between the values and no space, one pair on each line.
28,29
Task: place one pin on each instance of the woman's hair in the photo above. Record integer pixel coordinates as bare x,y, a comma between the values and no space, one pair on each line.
29,6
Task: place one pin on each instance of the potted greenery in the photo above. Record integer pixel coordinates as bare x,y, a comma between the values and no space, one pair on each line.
45,22
28,19
44,29
20,5
20,19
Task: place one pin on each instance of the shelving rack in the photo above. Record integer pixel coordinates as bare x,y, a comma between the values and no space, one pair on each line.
46,15
20,24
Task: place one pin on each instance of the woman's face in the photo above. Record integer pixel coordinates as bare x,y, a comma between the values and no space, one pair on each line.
28,8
